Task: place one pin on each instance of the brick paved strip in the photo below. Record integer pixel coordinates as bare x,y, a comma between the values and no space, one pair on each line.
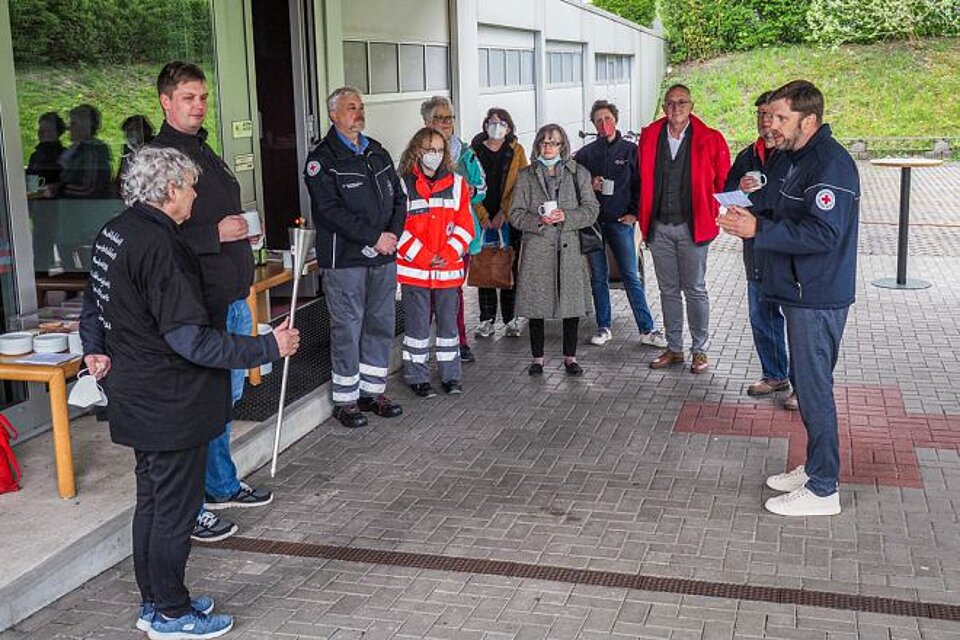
779,595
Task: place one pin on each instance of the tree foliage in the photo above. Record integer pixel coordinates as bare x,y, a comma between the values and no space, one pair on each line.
699,29
640,11
97,32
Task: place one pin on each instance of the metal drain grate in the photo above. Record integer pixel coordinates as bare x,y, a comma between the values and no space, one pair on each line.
779,595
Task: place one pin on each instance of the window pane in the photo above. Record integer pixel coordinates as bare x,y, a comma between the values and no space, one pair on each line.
355,65
513,68
484,68
498,74
526,67
567,67
601,67
87,96
383,68
578,67
438,74
412,74
611,68
555,68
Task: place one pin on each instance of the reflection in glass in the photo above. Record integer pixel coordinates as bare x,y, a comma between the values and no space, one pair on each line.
96,82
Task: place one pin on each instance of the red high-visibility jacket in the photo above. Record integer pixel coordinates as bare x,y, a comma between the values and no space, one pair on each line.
439,223
709,164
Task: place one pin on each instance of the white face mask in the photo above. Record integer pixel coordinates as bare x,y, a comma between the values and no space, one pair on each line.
431,160
87,393
497,130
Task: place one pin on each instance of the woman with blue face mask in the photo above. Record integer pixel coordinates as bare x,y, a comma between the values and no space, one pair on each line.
553,199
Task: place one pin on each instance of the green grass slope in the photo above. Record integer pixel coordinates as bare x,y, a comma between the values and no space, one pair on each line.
900,89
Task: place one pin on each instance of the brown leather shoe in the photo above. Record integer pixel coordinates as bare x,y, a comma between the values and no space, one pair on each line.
699,363
766,386
666,359
791,404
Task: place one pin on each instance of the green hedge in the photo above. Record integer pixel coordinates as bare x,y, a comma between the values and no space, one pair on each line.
700,29
640,11
50,32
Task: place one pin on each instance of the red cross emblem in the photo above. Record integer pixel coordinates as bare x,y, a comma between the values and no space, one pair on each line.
825,199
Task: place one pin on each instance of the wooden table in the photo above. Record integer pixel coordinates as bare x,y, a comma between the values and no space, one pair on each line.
905,164
267,277
55,377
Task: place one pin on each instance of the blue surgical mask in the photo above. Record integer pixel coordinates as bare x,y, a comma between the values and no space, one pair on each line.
549,162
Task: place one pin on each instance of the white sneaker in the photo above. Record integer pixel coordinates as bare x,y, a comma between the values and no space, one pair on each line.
484,329
514,327
803,502
601,337
789,481
654,339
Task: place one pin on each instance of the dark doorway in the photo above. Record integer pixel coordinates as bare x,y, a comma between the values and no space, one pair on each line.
278,135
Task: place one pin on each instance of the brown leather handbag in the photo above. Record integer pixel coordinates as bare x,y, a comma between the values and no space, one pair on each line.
492,268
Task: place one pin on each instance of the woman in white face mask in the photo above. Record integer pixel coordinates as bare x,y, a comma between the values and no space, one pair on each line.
430,269
502,157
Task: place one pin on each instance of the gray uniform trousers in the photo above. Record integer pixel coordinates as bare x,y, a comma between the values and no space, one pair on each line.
681,268
416,339
363,316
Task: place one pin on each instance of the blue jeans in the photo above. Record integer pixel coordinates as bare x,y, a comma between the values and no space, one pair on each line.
221,479
769,338
619,237
814,336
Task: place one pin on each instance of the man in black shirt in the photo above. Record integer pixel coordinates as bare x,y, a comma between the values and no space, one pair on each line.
218,234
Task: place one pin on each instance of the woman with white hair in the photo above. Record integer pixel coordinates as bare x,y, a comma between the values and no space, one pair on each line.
146,334
437,113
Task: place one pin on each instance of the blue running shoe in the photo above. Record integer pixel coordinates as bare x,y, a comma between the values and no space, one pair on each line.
193,625
203,604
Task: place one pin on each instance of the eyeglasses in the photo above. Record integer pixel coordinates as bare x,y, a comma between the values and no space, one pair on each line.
676,104
444,119
550,144
429,149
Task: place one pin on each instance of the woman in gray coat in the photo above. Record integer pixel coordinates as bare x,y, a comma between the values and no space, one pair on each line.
552,200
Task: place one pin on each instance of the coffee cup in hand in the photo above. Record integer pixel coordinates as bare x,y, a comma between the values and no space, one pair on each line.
547,208
607,187
254,228
757,176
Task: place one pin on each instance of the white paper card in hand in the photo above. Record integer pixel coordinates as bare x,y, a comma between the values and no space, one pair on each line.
733,199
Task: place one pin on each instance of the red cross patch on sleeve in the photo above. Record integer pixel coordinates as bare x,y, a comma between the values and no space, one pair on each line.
826,200
313,168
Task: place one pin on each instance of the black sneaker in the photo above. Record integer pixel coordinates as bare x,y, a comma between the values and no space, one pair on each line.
573,369
381,405
424,390
349,416
211,528
246,496
535,369
453,387
466,355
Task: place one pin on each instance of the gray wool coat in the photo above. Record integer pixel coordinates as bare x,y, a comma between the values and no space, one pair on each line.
553,280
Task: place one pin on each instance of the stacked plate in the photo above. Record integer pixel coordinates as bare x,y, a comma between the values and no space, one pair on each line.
50,343
16,343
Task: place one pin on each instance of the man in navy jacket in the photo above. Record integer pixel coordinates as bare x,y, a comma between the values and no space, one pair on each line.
809,250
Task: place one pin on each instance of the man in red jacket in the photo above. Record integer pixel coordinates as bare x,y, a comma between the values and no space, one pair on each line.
683,162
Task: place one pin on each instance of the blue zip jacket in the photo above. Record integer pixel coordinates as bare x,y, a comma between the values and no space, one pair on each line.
615,161
809,245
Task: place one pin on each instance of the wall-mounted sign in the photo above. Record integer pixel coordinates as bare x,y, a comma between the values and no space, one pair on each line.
243,128
243,162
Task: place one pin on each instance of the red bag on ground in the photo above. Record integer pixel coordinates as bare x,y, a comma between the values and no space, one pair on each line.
9,469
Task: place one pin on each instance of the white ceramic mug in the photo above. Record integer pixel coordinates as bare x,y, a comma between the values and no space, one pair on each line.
607,187
254,228
75,345
759,176
547,208
35,183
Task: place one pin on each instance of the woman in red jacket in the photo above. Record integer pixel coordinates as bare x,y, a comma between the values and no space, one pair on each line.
430,251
